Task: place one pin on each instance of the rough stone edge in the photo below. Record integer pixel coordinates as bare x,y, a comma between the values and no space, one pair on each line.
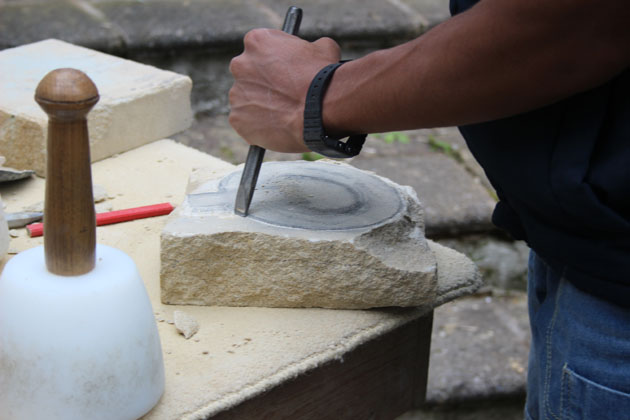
21,155
424,276
457,274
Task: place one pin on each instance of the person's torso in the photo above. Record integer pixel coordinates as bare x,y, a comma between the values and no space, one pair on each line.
562,173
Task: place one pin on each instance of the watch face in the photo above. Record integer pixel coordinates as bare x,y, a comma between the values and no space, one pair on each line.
310,195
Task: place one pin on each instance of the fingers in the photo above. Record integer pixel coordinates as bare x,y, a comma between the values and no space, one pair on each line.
235,68
253,42
261,39
255,38
328,47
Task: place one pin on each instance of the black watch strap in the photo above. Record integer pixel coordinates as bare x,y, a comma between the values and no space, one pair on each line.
315,137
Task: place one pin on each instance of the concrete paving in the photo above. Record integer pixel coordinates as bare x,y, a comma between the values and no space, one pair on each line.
124,26
479,346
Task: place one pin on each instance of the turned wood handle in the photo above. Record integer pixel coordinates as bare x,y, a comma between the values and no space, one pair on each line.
67,95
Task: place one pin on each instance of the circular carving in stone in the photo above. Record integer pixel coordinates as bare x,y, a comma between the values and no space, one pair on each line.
319,196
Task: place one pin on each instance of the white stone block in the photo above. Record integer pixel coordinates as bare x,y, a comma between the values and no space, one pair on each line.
319,234
138,103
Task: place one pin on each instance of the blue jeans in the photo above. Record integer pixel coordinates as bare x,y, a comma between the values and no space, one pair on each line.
579,361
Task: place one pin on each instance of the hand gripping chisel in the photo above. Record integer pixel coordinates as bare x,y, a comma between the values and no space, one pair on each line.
256,154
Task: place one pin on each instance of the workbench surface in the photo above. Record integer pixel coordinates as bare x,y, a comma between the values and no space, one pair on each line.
257,362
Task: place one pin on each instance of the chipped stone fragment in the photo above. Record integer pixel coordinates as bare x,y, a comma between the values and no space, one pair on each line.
319,234
185,324
10,174
99,192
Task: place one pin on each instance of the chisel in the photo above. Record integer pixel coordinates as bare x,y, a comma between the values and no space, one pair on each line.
256,154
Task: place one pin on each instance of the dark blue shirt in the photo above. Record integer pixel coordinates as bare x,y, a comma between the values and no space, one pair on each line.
562,174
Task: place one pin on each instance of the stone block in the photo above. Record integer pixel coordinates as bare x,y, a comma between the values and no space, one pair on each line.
138,103
319,234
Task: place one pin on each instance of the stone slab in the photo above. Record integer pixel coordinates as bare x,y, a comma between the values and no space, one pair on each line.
24,22
479,349
319,234
139,104
165,24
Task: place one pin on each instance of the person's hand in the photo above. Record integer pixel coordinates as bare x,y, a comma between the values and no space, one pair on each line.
271,78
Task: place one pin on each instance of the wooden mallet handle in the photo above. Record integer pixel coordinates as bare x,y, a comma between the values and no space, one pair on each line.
67,95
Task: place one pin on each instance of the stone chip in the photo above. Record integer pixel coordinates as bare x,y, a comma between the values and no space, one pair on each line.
185,324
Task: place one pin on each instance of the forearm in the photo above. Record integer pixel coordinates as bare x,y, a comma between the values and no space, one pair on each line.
497,59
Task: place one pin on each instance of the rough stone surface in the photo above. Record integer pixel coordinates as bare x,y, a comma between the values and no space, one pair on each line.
138,103
209,256
479,349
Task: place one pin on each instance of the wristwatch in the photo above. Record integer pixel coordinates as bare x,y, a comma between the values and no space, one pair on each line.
315,136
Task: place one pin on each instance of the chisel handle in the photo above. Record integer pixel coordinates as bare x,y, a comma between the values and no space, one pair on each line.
292,20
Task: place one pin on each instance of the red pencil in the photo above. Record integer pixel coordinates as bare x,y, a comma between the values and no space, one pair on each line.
117,216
